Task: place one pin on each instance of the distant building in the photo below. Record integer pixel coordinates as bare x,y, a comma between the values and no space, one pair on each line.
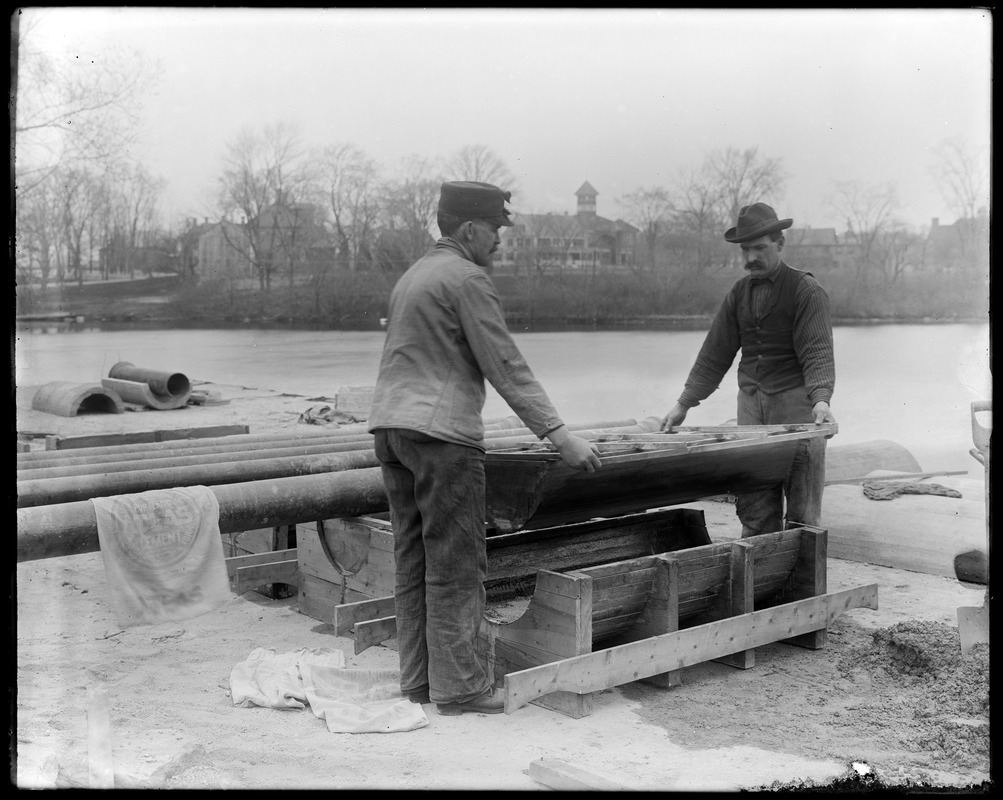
224,252
293,236
554,242
963,245
807,248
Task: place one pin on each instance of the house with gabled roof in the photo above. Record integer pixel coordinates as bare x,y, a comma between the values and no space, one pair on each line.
963,244
559,241
814,248
224,251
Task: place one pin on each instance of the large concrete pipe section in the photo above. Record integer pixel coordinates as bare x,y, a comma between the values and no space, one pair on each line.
83,487
48,491
70,529
202,458
163,384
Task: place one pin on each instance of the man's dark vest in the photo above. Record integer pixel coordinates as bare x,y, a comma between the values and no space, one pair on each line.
769,363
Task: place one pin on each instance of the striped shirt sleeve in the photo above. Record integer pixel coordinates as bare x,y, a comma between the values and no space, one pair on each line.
813,339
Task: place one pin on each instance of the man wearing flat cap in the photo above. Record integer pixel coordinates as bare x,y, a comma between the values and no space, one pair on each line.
778,317
446,334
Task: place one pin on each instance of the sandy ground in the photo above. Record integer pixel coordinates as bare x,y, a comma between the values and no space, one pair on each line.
889,701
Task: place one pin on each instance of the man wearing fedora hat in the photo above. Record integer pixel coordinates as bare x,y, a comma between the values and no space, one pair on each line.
446,333
778,317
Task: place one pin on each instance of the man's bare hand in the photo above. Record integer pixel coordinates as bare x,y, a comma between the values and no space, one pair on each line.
674,417
578,453
822,412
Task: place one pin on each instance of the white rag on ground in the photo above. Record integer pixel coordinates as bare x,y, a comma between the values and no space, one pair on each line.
348,700
163,554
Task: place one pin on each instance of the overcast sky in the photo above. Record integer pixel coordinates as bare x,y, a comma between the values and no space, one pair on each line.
622,99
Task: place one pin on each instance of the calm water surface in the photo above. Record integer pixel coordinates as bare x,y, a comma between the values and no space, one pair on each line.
912,384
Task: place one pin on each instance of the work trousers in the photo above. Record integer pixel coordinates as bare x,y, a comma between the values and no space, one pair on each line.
763,511
436,495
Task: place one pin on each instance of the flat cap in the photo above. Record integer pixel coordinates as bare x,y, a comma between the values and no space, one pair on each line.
475,200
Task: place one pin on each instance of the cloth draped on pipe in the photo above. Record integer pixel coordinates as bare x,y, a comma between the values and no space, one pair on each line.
348,700
163,554
883,490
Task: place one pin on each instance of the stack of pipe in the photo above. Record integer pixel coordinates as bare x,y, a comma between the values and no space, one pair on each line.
260,480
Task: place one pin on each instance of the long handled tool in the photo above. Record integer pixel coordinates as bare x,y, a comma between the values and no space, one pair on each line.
973,621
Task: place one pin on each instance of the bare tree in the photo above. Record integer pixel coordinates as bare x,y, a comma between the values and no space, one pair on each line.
410,201
135,200
81,200
900,249
743,177
868,211
477,162
650,210
962,173
39,233
260,169
694,241
349,178
71,112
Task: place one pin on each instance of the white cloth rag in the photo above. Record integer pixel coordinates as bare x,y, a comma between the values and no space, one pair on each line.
163,554
348,700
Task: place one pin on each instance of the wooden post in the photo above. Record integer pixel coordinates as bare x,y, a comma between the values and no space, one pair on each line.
661,613
740,591
809,580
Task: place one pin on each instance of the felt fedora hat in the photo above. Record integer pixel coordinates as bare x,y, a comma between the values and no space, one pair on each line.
475,200
754,221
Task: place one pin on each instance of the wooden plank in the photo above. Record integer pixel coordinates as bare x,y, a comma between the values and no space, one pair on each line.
661,615
559,775
55,442
347,615
318,598
253,559
374,631
739,597
556,624
808,578
629,662
206,432
247,578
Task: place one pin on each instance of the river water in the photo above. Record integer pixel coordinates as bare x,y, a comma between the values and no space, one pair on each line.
911,384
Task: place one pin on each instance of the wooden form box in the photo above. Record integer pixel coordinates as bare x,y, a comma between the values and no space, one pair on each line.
354,560
647,618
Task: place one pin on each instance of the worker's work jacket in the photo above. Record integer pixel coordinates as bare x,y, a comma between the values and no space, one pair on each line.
446,333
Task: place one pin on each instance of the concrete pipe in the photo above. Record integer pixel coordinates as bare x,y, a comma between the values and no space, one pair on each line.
162,384
67,490
67,399
68,529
